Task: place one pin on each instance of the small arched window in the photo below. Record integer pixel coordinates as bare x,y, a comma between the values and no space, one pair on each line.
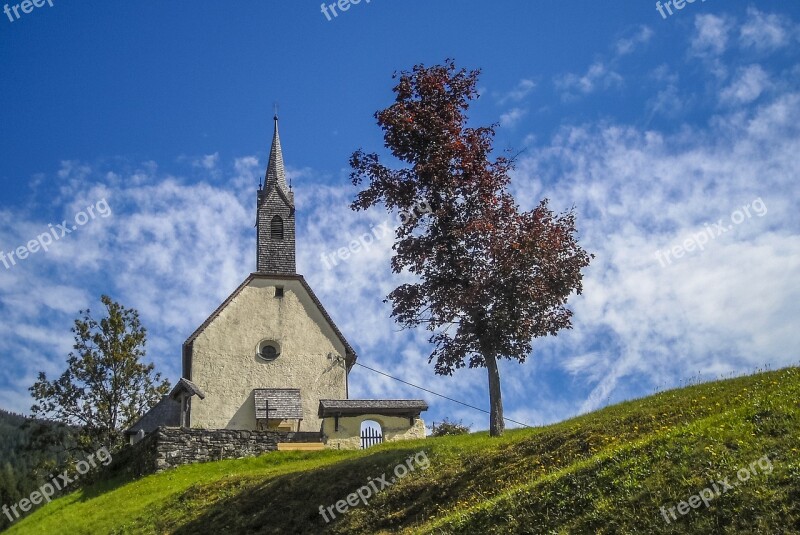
276,228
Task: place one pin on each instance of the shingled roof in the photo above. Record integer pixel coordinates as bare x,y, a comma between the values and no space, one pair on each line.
386,407
278,403
166,413
276,172
350,356
185,385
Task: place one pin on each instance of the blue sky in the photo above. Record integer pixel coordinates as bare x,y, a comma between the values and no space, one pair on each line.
675,135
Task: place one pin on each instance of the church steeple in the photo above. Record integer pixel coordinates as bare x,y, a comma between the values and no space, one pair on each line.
275,217
276,172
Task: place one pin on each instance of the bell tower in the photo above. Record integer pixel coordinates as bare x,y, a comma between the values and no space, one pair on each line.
275,217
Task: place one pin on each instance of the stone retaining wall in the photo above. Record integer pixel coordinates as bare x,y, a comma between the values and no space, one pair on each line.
168,447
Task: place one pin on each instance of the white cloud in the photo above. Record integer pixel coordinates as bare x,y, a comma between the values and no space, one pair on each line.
669,101
247,172
512,117
625,46
208,161
602,74
749,84
727,307
598,76
711,35
522,90
169,249
766,32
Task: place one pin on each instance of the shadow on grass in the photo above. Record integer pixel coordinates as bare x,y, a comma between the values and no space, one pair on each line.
290,503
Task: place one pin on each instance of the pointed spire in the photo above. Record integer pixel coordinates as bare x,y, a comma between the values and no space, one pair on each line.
276,173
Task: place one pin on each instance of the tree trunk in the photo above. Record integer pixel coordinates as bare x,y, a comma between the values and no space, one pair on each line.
496,421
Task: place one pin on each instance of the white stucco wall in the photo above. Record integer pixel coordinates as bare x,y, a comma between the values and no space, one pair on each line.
225,365
348,437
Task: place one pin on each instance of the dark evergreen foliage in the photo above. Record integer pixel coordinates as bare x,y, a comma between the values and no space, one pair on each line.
25,461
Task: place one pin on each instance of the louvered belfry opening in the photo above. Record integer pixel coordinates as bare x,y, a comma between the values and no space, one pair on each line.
276,228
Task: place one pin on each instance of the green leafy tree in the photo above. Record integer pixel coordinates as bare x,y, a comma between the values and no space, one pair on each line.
490,278
106,386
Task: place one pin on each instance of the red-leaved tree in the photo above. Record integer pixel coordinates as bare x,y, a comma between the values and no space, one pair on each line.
490,278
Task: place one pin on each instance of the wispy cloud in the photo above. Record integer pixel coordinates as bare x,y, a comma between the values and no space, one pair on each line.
598,76
668,101
512,117
602,74
628,45
522,90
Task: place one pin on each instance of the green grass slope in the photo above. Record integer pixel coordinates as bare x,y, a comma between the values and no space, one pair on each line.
606,472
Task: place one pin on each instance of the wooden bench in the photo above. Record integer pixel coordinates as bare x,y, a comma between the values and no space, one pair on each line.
301,446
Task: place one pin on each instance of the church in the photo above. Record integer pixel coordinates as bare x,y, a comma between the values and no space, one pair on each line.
270,357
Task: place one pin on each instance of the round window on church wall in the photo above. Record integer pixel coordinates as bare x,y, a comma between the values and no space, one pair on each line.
268,350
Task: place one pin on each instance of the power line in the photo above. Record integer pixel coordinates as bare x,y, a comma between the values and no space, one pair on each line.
438,394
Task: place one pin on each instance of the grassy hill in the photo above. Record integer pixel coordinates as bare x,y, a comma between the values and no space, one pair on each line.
606,472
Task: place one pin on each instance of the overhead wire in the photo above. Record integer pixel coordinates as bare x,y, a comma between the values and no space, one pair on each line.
438,394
